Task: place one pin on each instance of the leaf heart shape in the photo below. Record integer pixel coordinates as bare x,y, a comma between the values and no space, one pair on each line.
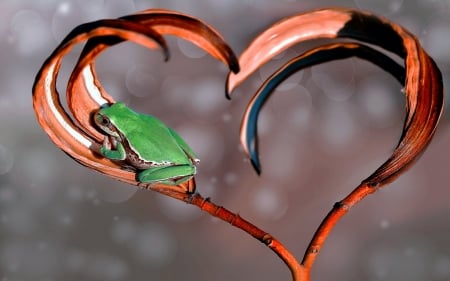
75,134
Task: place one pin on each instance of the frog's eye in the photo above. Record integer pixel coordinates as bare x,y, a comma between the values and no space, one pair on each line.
104,121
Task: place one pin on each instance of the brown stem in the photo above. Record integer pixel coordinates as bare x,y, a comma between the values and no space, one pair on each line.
236,220
339,210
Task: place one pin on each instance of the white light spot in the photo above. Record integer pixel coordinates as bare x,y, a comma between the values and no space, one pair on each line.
269,203
227,117
384,224
64,8
230,178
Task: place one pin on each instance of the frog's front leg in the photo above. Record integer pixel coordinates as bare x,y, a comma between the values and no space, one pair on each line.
113,152
169,175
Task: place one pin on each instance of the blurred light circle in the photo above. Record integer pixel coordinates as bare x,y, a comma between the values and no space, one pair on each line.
267,69
6,160
174,91
190,50
207,142
30,32
65,18
140,82
206,95
337,127
441,269
154,244
230,178
106,267
378,102
124,231
268,202
76,260
336,79
8,194
283,156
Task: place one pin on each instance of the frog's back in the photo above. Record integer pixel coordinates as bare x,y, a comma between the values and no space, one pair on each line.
149,137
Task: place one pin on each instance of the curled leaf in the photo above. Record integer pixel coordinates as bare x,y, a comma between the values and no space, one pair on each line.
47,105
310,58
83,80
423,83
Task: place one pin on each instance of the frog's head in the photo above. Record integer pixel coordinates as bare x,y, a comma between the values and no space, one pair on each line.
104,119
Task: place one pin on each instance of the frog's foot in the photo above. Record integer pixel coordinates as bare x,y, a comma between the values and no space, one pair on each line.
169,175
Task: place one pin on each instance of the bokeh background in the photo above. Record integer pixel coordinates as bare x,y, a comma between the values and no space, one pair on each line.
324,130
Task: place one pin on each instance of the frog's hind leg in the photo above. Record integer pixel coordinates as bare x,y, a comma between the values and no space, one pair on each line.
171,175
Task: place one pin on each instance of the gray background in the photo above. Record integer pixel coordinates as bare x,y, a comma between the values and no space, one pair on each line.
325,130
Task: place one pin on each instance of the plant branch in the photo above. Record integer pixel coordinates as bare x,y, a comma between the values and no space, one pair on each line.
337,212
236,220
